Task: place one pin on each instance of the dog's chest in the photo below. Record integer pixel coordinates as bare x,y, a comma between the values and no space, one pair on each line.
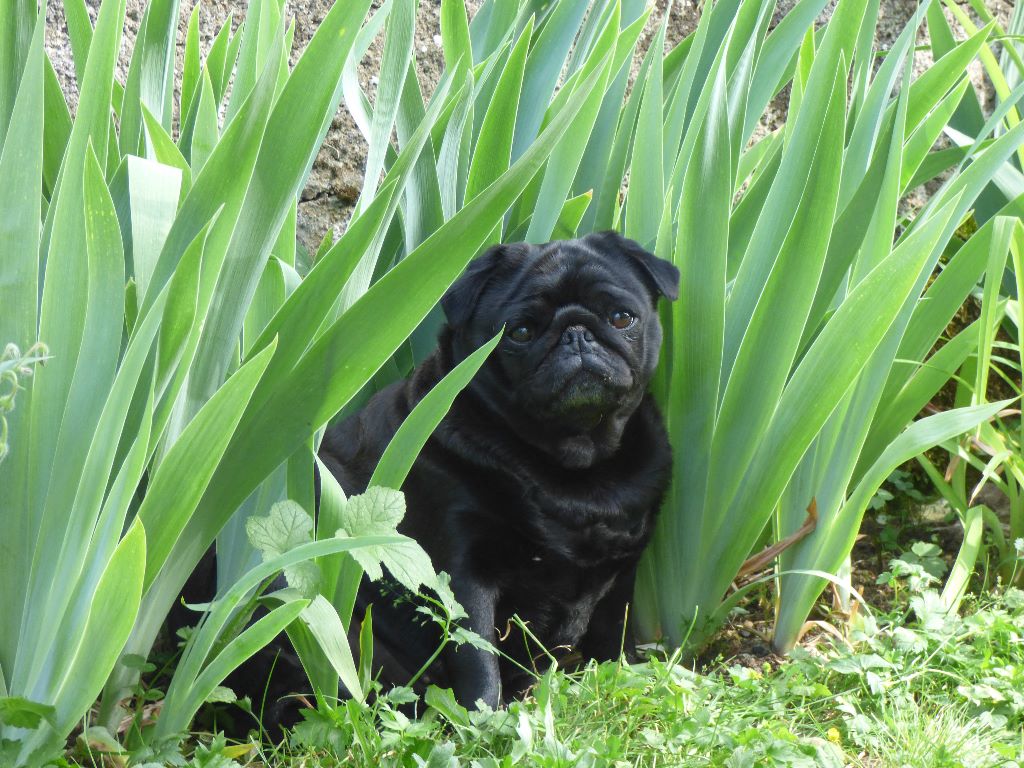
594,528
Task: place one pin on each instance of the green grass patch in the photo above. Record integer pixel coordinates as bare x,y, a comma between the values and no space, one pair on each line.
906,689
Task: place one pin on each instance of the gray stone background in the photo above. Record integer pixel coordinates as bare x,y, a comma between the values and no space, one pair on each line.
337,174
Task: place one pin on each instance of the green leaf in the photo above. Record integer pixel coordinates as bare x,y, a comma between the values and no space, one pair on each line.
114,607
21,163
770,342
689,394
543,68
493,151
394,65
565,160
826,372
235,653
570,219
92,118
331,636
150,73
56,128
182,477
646,199
377,512
206,128
19,712
65,515
287,526
153,194
408,441
191,69
834,543
161,148
15,46
455,40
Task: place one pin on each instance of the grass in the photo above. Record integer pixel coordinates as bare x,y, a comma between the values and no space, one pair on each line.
908,687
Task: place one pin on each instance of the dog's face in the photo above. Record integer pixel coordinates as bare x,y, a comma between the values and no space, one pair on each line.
581,337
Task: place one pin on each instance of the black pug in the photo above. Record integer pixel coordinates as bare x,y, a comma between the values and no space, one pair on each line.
538,491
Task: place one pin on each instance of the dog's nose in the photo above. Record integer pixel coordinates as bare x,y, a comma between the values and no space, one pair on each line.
577,334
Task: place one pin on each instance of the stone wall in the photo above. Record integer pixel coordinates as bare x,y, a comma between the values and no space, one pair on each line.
337,176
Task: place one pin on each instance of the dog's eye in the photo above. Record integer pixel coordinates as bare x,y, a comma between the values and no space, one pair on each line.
621,319
521,333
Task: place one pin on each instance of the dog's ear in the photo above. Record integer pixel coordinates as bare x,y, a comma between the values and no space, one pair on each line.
460,300
662,275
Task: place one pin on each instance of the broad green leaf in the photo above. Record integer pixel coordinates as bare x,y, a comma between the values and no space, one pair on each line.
776,57
153,194
206,128
21,164
114,607
76,14
109,524
287,526
15,50
543,67
422,208
262,28
999,251
377,512
493,151
56,128
570,219
394,65
398,457
565,160
774,225
182,477
645,199
235,653
923,139
293,324
220,186
191,67
162,148
455,40
324,624
966,560
92,118
594,174
150,73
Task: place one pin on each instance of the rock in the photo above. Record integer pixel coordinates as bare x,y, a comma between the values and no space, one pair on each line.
336,178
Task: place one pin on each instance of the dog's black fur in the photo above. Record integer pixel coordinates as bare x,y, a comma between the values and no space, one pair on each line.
538,491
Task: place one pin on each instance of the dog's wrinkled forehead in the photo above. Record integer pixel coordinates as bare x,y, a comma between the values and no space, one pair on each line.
565,272
562,272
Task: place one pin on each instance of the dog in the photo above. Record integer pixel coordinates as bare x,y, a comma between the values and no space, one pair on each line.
540,488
